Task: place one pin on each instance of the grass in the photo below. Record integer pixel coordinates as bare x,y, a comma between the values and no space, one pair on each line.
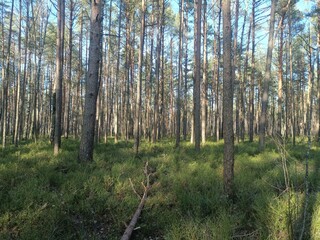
47,197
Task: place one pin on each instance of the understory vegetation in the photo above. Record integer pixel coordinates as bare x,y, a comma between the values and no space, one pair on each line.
48,197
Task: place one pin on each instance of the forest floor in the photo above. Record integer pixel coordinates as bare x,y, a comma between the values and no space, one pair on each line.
47,197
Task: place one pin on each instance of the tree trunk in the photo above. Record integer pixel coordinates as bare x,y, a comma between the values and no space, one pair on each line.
180,77
92,83
252,79
197,76
243,88
157,73
69,81
5,83
280,77
59,76
17,105
185,85
204,87
216,74
228,134
116,107
139,82
265,93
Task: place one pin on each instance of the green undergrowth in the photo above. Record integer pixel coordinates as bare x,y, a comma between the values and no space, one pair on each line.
47,197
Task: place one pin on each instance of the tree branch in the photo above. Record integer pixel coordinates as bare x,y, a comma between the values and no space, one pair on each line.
128,232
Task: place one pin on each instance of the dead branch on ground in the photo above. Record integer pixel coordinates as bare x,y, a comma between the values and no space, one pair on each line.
128,232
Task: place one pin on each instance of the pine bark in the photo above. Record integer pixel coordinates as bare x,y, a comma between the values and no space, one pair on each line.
228,135
204,87
92,83
139,82
252,77
180,77
197,76
267,79
5,84
59,76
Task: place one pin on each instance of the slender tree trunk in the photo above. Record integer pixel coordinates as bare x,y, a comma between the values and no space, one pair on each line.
216,73
293,110
79,77
128,65
161,125
280,77
309,100
265,93
5,83
17,105
243,88
228,134
157,71
116,107
171,87
204,87
69,79
59,76
235,62
92,83
150,79
185,85
139,82
197,76
180,77
252,79
24,81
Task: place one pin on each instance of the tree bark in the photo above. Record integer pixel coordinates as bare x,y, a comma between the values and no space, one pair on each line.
116,107
265,91
59,76
197,76
185,84
157,73
216,74
5,83
17,105
139,82
204,87
180,77
228,134
252,78
92,83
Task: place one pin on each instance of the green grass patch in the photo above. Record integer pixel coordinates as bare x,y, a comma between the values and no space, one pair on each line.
47,197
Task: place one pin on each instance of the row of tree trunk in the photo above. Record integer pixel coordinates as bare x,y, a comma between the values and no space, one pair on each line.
147,76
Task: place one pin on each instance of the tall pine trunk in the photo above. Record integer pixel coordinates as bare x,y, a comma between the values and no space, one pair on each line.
59,76
197,76
139,82
92,83
228,135
267,79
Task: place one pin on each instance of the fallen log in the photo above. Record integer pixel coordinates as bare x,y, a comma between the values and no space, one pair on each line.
128,232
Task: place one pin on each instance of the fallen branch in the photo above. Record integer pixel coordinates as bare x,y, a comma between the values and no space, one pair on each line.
128,232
